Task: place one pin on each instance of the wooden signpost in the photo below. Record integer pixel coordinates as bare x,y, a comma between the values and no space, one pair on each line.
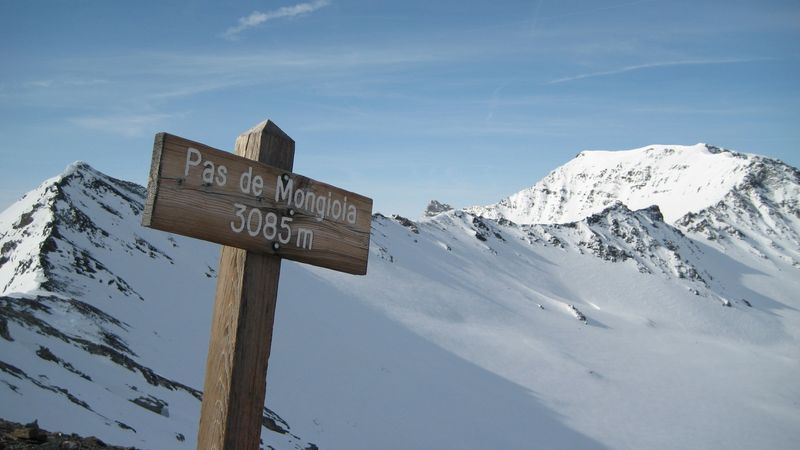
261,212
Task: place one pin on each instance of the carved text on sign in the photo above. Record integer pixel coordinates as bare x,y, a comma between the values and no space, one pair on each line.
214,195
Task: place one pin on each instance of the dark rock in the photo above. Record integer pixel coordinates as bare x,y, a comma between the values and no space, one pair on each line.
578,314
125,426
153,404
274,422
406,223
26,218
435,208
4,333
30,433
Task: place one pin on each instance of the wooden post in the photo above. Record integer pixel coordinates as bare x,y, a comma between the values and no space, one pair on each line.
241,329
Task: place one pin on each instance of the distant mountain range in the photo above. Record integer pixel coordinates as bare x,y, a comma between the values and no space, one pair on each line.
631,299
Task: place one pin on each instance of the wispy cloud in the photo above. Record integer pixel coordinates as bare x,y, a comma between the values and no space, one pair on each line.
256,18
152,81
164,76
597,10
633,68
692,110
39,83
63,83
129,125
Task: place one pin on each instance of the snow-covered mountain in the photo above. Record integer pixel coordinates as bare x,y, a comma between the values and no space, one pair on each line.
101,318
639,299
679,179
700,189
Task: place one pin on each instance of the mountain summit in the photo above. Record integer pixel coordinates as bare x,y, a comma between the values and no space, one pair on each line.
750,199
679,179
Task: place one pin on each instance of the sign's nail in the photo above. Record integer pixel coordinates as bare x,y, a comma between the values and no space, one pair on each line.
276,246
285,177
291,212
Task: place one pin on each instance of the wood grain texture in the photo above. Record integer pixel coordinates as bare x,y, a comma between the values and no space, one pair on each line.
187,204
241,330
152,180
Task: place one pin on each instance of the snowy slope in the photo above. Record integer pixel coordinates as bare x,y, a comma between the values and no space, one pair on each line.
618,329
633,351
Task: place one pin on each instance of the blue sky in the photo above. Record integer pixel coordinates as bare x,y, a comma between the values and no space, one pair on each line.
404,102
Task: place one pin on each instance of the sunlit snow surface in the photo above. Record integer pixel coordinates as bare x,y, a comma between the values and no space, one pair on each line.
679,179
467,332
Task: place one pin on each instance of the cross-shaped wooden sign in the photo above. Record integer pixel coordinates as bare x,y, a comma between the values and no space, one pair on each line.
261,212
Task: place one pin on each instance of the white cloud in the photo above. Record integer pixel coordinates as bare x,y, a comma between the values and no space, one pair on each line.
257,18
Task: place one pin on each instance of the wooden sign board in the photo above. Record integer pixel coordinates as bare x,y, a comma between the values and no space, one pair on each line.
198,191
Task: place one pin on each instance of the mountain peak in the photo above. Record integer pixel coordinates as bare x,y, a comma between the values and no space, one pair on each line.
78,166
657,151
680,179
435,207
53,230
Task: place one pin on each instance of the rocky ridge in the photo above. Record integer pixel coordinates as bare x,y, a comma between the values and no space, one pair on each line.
15,436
